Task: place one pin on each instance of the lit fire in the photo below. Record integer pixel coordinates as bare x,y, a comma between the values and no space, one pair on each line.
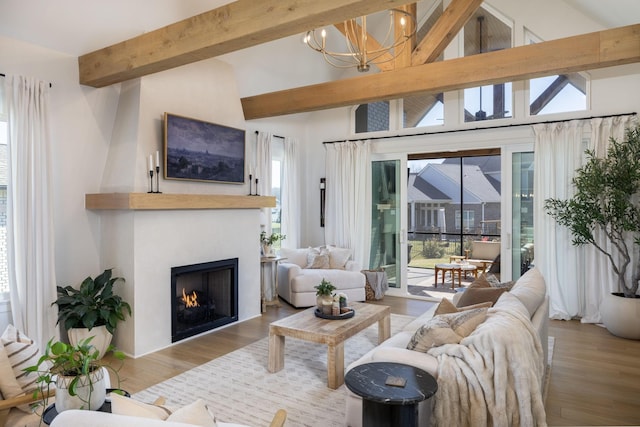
190,300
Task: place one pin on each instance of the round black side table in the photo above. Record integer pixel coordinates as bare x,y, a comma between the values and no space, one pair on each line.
390,392
50,413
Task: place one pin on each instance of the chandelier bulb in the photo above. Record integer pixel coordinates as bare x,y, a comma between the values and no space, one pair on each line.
403,21
323,33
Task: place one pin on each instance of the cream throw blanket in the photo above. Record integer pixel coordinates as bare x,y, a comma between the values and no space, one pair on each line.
492,378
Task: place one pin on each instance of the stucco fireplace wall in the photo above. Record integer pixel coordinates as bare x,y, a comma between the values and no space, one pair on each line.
142,246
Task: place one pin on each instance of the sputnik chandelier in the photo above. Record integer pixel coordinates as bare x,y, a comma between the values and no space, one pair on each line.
360,50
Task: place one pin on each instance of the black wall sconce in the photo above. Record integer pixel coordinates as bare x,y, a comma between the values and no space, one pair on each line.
322,200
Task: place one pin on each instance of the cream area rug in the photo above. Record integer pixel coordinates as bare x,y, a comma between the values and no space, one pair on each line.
238,388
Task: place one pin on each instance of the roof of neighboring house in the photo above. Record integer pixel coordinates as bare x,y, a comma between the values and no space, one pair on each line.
422,191
442,182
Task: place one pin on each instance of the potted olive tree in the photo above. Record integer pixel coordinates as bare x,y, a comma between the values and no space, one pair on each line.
91,310
607,203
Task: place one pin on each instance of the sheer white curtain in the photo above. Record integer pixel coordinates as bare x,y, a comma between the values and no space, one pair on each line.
30,247
263,172
558,152
348,198
290,195
597,266
574,275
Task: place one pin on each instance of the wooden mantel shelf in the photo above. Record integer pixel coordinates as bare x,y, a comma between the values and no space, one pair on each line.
162,201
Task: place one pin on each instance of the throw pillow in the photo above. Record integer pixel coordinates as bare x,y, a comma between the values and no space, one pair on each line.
22,352
530,289
123,405
446,329
196,413
295,256
338,257
446,307
318,258
9,386
479,295
494,282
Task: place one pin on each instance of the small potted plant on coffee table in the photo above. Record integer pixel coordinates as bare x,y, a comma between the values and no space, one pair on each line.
324,295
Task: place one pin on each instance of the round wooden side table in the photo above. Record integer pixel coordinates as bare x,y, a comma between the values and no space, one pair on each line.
390,392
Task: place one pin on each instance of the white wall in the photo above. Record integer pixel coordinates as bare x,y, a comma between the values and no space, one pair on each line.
81,124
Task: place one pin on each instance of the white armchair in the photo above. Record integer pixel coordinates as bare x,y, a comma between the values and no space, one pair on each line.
305,268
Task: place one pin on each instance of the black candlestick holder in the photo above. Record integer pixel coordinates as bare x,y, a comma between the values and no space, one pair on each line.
150,181
250,182
157,180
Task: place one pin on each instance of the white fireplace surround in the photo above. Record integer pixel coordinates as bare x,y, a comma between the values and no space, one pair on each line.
142,245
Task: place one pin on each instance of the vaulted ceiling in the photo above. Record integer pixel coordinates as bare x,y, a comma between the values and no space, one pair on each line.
96,35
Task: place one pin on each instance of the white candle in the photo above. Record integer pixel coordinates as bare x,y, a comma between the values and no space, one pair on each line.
150,162
157,158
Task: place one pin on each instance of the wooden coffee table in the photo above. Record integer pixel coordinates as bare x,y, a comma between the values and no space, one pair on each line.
306,326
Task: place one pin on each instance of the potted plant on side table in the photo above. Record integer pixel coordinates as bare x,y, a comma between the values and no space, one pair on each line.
267,242
606,203
92,310
77,372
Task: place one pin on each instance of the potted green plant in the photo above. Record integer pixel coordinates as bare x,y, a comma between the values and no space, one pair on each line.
91,310
606,203
324,295
268,241
77,373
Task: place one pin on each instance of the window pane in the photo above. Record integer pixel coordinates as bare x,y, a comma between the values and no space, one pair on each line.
423,110
372,117
557,94
486,33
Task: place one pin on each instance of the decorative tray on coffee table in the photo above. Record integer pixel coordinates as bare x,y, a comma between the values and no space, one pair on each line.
341,316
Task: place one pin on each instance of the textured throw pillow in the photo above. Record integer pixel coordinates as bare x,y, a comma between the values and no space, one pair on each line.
9,386
446,329
318,258
494,282
196,413
338,257
22,352
123,405
446,307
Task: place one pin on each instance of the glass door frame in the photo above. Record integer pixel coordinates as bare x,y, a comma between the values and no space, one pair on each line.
506,252
401,212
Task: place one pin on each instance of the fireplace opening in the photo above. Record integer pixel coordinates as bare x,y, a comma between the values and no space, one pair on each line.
203,297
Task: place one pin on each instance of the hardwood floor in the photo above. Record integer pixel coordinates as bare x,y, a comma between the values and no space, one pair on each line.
595,379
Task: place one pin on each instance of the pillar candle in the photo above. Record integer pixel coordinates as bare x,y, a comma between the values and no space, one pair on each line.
157,158
150,162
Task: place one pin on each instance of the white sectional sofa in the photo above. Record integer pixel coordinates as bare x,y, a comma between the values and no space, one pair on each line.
305,268
515,331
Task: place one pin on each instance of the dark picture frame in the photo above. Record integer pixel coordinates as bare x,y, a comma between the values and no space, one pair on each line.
196,150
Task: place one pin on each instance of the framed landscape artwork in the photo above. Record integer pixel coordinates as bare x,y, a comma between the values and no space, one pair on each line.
201,151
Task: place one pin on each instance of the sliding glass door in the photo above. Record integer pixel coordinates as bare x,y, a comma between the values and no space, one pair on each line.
387,220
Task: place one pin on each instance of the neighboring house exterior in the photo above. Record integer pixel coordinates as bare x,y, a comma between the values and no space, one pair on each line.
434,199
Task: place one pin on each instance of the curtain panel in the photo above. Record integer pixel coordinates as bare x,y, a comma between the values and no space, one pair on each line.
290,195
574,275
348,198
30,237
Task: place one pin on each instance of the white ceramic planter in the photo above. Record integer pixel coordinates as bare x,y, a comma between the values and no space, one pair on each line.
90,392
102,337
621,316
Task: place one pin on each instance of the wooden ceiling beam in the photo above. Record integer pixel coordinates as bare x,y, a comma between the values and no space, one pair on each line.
602,49
454,17
235,26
